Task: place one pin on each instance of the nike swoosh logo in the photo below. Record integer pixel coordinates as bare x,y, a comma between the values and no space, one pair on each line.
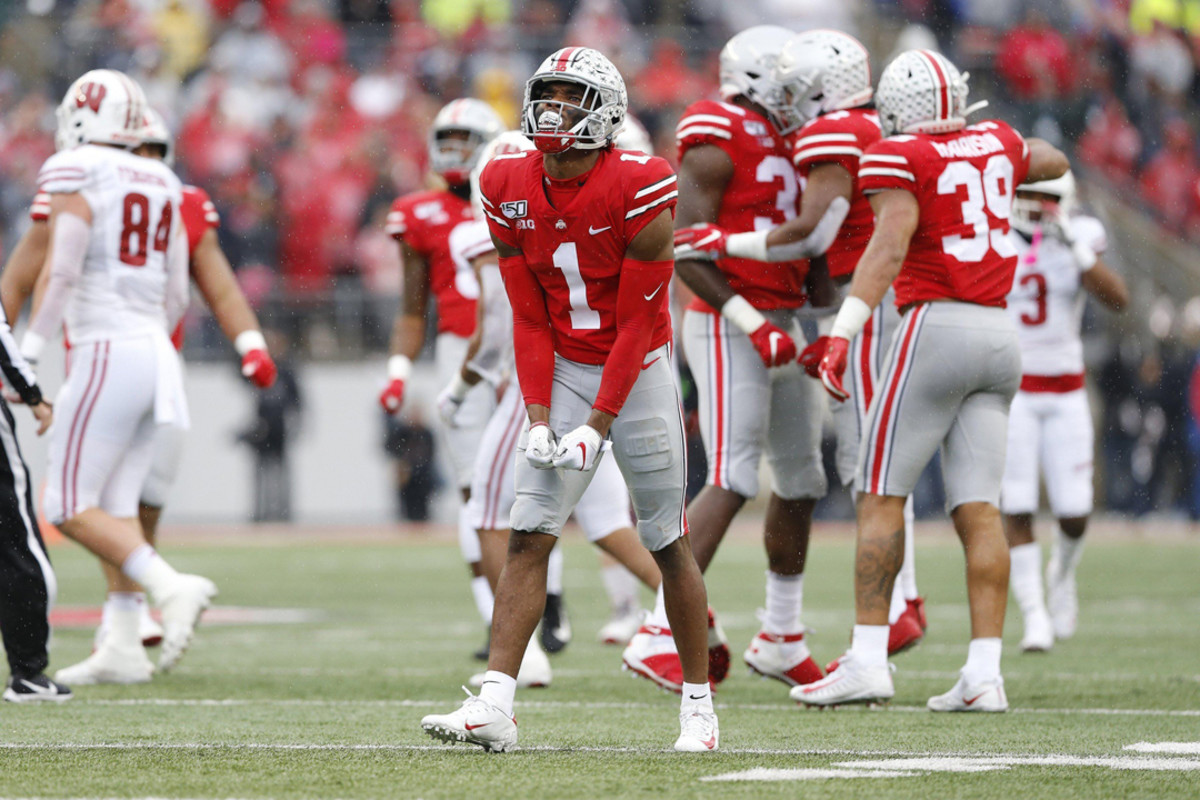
711,743
471,727
973,699
651,364
697,696
650,296
594,231
36,689
774,339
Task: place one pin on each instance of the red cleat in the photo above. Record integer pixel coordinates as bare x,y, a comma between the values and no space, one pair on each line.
904,633
783,657
916,606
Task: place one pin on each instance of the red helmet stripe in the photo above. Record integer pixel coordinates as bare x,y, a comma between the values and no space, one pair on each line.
564,59
943,83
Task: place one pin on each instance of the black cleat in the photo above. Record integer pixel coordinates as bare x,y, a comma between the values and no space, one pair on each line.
556,628
36,689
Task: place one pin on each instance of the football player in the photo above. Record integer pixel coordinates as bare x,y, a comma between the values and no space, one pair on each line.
740,337
117,275
421,223
825,77
1050,425
584,235
942,195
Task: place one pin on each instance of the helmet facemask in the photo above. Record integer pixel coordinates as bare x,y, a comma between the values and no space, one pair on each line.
575,119
453,153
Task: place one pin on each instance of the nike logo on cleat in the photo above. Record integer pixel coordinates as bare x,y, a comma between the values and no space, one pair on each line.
973,699
36,689
471,727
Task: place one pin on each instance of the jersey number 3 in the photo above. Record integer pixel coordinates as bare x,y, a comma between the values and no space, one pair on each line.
135,229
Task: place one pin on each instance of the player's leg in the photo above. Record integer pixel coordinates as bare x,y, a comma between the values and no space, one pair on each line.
1068,459
625,608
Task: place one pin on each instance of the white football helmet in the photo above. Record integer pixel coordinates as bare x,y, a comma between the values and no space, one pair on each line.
822,71
102,106
634,136
451,157
1027,210
747,69
922,92
504,143
155,132
600,112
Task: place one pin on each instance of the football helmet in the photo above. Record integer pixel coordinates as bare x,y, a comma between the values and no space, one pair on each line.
822,71
155,132
747,69
593,122
502,144
922,92
634,136
1027,211
451,157
102,106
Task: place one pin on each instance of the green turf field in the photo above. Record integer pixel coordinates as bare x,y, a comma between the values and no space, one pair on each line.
329,706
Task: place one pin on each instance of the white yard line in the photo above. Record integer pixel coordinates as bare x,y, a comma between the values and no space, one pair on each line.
1172,748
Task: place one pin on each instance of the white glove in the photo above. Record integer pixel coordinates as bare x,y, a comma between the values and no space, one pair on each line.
540,446
580,449
450,399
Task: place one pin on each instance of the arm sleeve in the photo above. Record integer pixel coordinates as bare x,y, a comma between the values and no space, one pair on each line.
68,247
641,297
533,342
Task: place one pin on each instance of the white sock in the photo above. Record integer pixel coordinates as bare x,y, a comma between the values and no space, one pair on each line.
696,697
899,602
123,624
658,617
1069,551
481,590
499,690
554,570
983,661
145,566
908,570
621,587
868,643
785,600
1026,578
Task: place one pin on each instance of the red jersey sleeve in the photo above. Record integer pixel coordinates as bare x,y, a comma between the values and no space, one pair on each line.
707,122
1015,146
199,215
39,209
828,139
491,184
651,188
885,165
397,220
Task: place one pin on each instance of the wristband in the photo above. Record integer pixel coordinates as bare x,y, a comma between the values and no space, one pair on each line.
32,345
399,368
738,310
751,245
248,340
851,318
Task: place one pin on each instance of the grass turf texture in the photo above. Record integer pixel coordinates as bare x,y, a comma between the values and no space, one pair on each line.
331,707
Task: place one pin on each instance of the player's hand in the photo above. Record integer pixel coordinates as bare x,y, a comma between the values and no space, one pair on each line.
43,412
775,347
580,449
810,357
259,368
833,367
392,396
450,400
703,241
540,446
10,396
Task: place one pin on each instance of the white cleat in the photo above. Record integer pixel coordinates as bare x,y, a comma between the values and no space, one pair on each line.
697,732
1039,633
621,627
475,722
981,697
851,682
109,664
534,673
151,632
784,657
1062,600
181,608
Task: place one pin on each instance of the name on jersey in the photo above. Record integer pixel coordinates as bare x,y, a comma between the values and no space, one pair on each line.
137,176
969,146
432,212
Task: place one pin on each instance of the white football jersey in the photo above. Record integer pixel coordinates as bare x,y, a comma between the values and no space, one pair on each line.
135,205
1047,299
494,359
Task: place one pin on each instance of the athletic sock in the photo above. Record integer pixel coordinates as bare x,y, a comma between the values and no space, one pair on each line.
695,697
1026,578
621,587
146,567
869,643
785,600
554,572
123,618
899,603
983,661
658,617
908,570
1069,551
499,690
481,590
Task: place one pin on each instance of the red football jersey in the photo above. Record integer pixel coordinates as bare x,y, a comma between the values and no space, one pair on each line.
840,137
762,193
576,253
424,220
199,215
964,183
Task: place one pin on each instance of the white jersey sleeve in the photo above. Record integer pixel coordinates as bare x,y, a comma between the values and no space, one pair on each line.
494,359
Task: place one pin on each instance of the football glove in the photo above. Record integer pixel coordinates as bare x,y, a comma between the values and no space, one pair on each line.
259,368
392,396
451,398
704,241
580,449
775,347
540,446
833,367
810,357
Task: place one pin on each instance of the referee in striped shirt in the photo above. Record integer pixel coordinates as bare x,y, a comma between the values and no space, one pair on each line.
27,583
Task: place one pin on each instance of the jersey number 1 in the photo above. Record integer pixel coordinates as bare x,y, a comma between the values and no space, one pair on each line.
583,316
135,229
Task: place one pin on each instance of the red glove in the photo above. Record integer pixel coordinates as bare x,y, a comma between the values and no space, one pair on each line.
833,367
704,241
773,344
259,368
810,357
392,396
